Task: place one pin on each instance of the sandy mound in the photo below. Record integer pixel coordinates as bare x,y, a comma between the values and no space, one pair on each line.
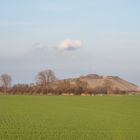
112,83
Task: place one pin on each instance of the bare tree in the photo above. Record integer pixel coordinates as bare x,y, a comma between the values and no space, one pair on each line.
5,82
66,86
45,78
108,85
81,86
63,86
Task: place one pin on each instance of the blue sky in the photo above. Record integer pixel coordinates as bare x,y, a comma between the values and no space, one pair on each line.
31,30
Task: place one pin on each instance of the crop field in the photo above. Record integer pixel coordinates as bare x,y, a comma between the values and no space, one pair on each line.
69,118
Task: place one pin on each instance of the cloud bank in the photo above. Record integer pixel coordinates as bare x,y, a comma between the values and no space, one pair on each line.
69,45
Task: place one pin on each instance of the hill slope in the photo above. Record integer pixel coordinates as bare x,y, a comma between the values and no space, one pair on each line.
106,83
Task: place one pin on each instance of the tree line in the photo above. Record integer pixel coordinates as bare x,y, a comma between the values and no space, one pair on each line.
48,84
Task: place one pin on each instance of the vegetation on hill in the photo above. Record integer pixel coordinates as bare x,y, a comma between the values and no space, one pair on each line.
47,84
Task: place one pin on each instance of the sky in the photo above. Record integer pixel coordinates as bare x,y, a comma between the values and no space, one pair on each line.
74,38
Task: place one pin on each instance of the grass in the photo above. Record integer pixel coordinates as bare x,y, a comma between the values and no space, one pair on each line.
69,118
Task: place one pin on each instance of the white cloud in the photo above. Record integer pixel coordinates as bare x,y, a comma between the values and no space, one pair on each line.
69,45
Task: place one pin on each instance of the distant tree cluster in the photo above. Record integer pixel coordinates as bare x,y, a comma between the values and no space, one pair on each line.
47,84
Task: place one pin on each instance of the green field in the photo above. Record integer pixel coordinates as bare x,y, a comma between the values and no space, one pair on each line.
69,118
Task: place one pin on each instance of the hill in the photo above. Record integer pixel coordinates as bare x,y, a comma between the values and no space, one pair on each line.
91,84
105,84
